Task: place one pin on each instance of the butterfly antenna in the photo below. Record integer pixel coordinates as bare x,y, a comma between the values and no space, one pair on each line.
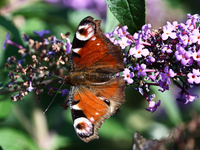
53,99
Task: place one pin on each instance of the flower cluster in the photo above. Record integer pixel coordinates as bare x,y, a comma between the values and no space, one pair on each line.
39,60
157,57
151,58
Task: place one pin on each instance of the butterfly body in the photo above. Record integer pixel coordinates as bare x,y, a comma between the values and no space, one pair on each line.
95,94
86,78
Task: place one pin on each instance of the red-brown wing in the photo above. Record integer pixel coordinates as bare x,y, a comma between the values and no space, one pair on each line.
93,51
92,105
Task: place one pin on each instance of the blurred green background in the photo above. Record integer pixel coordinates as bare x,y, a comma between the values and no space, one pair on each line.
23,125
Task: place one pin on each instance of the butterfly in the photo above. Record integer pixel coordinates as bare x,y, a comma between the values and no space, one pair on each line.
94,94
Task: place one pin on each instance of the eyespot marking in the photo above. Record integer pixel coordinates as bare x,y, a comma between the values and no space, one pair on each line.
85,32
107,102
83,127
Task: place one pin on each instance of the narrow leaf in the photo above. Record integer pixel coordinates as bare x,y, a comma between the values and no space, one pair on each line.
11,27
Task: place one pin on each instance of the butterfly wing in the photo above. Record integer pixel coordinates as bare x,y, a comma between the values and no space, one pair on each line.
92,105
93,51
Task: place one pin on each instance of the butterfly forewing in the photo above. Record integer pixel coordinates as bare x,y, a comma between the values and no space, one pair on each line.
98,53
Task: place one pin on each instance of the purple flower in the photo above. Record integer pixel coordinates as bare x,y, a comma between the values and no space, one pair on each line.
167,49
191,21
164,86
150,60
68,45
64,92
12,83
110,37
187,98
154,77
182,55
117,75
175,25
7,41
195,37
49,74
194,77
146,28
190,98
137,36
124,42
15,98
122,31
185,40
128,75
41,33
146,31
30,88
183,29
169,26
141,70
115,32
167,32
168,73
151,97
25,37
196,56
138,51
153,106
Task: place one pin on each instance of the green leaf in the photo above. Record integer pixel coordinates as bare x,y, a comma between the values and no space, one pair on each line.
11,27
3,3
128,12
2,85
5,106
43,11
15,140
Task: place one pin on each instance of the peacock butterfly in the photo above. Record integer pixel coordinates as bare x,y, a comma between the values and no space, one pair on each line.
94,94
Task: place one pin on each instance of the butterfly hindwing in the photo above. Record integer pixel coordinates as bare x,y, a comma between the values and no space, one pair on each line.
92,105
